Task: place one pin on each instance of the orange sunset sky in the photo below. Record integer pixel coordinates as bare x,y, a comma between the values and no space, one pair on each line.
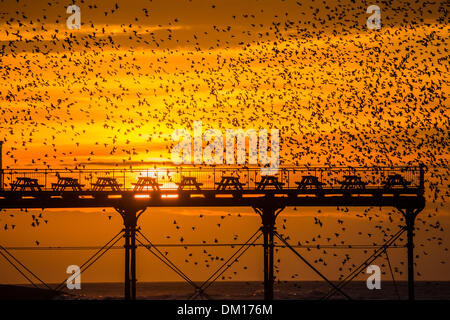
112,93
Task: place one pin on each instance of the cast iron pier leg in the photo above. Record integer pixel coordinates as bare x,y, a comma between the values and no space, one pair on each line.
410,217
130,220
268,219
127,263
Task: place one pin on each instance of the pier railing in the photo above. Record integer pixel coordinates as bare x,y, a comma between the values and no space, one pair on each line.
209,177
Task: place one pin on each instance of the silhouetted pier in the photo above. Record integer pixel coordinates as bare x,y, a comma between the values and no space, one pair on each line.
131,191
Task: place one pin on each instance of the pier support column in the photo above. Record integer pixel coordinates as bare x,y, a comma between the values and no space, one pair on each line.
130,218
410,217
1,165
268,215
127,264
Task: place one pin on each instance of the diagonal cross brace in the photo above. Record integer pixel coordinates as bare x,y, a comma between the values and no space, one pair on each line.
225,266
24,267
199,290
310,265
369,260
94,258
158,254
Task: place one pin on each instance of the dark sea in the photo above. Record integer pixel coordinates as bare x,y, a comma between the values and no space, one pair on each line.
305,290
